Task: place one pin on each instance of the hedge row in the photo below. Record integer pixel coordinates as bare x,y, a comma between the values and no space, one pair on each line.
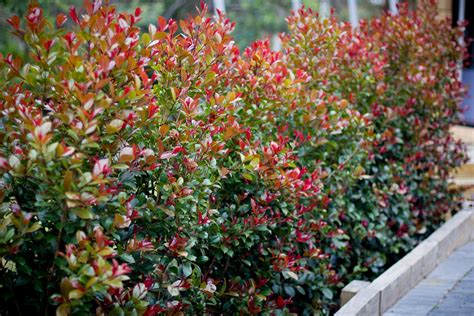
167,172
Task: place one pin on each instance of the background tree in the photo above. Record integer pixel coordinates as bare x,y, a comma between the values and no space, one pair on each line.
254,18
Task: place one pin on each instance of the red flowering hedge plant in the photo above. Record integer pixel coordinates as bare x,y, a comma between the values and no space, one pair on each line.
135,180
401,70
164,172
418,101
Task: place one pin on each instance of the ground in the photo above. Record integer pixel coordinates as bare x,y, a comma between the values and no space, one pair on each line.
447,291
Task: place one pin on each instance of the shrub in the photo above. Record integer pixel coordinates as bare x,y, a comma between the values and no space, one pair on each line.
386,69
165,172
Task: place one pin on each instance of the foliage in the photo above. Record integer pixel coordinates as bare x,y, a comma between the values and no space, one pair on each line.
166,172
386,68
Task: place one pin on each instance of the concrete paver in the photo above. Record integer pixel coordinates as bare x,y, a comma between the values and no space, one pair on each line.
447,291
460,300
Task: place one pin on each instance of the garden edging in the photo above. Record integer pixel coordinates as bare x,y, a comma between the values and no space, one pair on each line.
389,287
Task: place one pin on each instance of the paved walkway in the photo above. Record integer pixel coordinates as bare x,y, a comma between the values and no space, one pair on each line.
447,291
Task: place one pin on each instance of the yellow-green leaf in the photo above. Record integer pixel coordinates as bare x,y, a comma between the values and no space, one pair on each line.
114,126
75,294
83,213
63,310
33,227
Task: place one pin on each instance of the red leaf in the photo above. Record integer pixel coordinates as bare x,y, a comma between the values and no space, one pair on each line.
203,219
14,21
73,14
119,269
162,22
34,15
167,155
47,44
4,164
178,150
60,19
70,37
97,5
281,303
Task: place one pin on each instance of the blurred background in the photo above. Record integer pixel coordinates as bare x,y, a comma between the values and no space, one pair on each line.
256,19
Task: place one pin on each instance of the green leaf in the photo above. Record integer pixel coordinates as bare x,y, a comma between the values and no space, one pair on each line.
128,258
209,76
33,227
167,211
338,243
114,126
328,293
83,213
116,282
139,291
187,269
75,294
247,176
289,290
63,310
289,274
9,235
174,291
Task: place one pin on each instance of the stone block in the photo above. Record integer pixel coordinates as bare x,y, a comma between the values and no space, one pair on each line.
351,289
427,251
451,235
366,302
414,260
392,284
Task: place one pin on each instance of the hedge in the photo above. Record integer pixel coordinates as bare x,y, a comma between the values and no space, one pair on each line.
166,172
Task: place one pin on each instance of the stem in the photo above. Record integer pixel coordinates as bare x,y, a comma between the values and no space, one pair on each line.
52,269
210,267
17,307
226,266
